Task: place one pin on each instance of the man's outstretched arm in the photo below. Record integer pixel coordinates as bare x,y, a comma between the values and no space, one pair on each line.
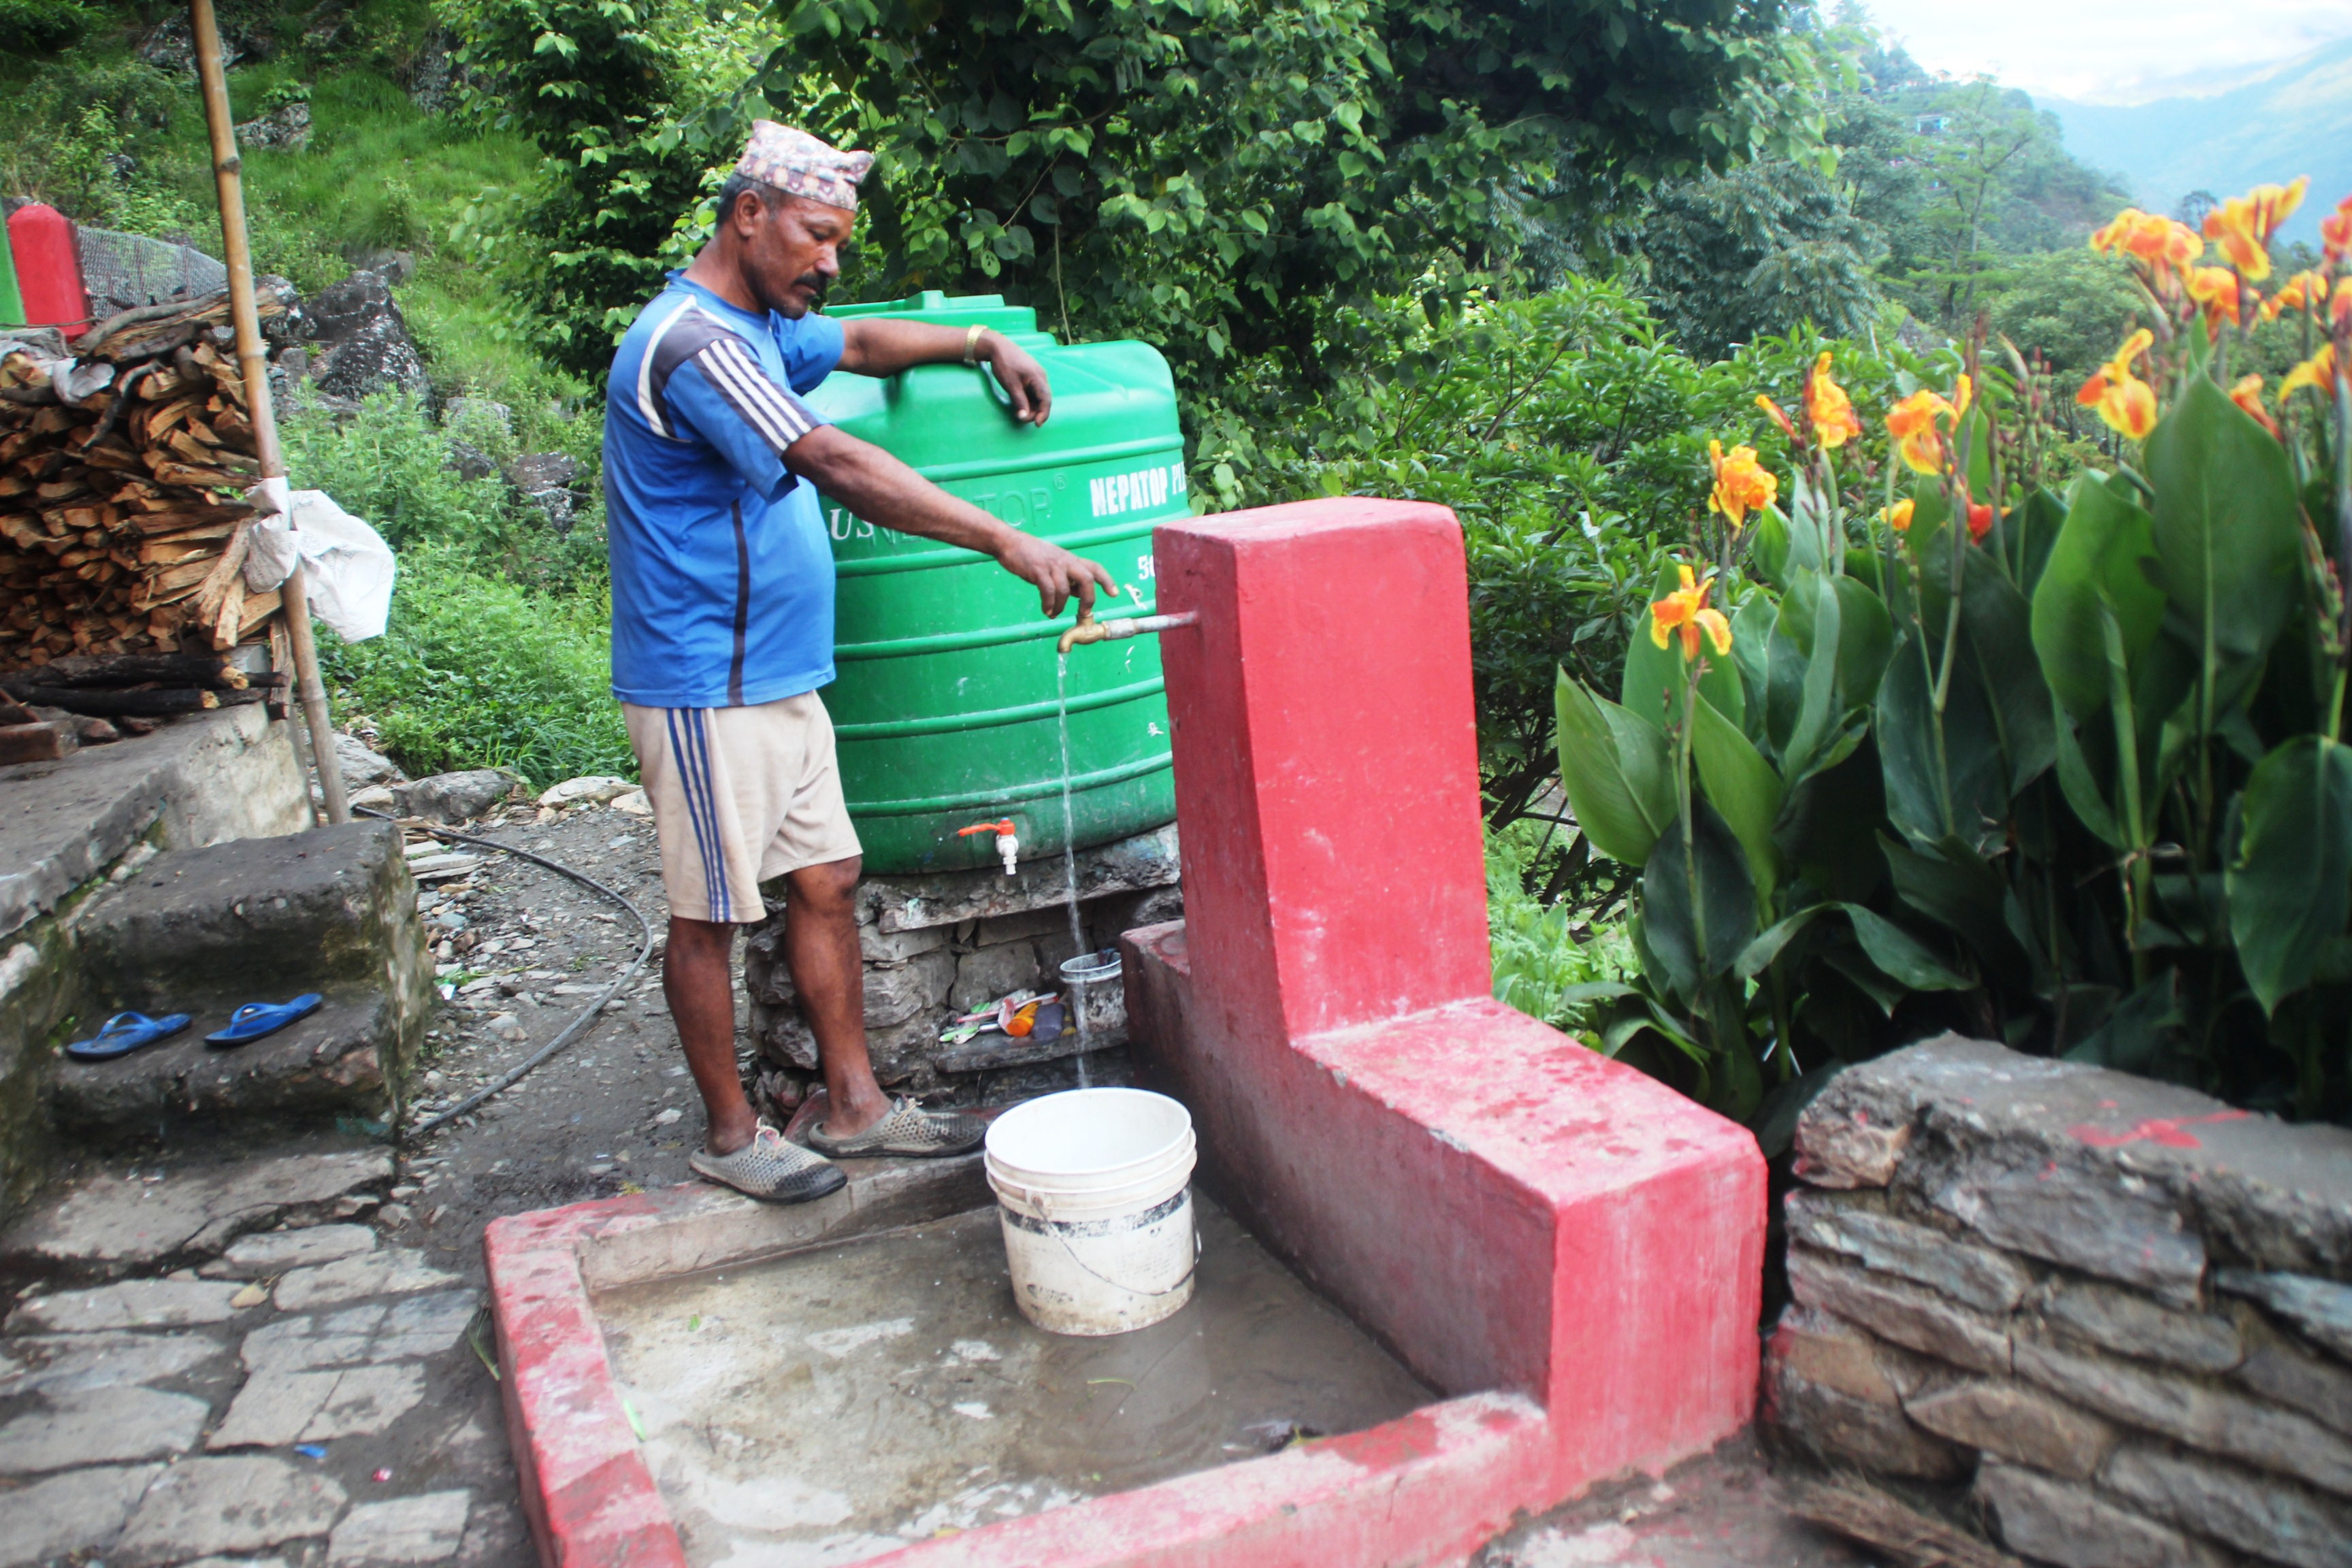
871,346
885,491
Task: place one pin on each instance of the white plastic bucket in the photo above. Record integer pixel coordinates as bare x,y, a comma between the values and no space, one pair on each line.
1093,1190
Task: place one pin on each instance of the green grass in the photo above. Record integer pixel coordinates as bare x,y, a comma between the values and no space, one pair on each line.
1539,963
476,671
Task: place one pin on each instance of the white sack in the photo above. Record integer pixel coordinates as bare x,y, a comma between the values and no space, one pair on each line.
348,568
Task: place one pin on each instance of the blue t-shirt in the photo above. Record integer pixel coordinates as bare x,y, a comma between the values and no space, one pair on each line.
722,577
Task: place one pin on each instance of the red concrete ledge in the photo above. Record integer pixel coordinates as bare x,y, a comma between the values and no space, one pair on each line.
1429,1487
590,1497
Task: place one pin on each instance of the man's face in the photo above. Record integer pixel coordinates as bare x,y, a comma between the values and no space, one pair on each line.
791,250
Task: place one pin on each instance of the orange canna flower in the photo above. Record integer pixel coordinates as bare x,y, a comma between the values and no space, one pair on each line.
1961,396
1686,612
2317,371
2242,225
2247,393
2301,292
1742,484
2215,289
2157,245
2127,403
1898,516
1827,405
1980,519
1912,423
2335,231
2339,310
1780,417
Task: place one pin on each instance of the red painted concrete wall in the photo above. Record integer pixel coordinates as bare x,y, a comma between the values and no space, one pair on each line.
1504,1207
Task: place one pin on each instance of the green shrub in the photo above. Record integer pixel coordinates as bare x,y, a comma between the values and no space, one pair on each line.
390,464
477,671
42,24
1565,432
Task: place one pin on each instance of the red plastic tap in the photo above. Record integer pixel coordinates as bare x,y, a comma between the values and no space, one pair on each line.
1008,846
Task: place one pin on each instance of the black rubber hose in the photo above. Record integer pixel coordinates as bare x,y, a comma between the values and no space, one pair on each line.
515,1074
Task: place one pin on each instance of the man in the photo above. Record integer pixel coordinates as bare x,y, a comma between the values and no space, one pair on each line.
722,628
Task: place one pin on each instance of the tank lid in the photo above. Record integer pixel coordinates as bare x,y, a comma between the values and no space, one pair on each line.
949,311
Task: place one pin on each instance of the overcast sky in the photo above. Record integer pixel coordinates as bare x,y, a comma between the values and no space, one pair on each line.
2112,51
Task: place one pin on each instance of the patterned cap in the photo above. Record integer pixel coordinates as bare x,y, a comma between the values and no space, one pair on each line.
798,164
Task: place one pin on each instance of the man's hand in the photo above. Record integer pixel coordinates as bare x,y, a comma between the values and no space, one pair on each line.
1057,572
1023,378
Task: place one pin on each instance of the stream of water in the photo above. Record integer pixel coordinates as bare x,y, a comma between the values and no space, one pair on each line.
1073,1005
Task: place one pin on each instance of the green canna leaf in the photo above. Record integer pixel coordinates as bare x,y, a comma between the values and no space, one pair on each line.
2289,872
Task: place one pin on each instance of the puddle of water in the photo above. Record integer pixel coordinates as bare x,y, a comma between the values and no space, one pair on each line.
820,1409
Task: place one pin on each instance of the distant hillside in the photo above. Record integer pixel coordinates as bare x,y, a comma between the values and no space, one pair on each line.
2296,120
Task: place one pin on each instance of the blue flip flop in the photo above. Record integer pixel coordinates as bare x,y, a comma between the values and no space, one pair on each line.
125,1033
256,1020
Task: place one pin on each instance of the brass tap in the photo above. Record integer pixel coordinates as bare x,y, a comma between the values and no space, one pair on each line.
1090,629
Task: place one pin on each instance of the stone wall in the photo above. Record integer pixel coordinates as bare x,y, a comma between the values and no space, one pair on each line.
2113,1317
947,943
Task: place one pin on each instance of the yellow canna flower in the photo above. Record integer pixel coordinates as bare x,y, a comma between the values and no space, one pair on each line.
1742,484
1685,611
1898,516
2215,289
2317,371
1780,416
1829,408
1912,423
2301,292
2242,225
2247,393
2127,403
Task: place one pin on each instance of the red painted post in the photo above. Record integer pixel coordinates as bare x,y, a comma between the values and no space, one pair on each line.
1334,869
48,268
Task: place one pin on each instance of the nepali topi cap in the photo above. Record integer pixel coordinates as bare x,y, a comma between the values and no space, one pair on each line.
798,164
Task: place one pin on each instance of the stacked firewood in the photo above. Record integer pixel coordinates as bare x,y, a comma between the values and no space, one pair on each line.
122,473
49,709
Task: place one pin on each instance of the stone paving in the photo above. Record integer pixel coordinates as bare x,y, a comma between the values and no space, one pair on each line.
272,1360
312,1393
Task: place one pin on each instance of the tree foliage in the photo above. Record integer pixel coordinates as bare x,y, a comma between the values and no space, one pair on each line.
630,102
1214,175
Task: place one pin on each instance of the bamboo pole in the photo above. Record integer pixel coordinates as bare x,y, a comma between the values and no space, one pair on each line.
253,364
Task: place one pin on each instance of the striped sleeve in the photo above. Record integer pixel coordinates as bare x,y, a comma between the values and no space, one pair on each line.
779,417
705,380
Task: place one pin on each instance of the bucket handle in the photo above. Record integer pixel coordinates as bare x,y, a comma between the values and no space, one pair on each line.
1148,1295
1053,1229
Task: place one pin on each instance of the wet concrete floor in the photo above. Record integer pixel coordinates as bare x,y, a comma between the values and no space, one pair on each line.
823,1408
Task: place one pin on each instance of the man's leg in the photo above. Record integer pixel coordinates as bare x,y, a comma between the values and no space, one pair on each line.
698,982
821,952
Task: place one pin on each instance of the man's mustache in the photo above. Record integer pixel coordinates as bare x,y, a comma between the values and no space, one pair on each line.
815,285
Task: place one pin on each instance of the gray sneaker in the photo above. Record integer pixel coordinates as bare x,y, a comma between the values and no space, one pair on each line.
907,1131
770,1169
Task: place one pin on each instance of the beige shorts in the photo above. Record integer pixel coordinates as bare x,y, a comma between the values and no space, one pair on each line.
740,795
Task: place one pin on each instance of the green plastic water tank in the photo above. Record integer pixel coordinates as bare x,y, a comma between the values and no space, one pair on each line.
945,700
